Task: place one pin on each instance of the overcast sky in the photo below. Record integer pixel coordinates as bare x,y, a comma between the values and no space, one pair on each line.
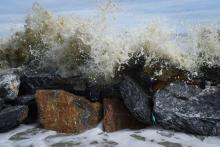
131,13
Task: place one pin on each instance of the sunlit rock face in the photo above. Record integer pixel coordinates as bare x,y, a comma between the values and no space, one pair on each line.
188,108
65,112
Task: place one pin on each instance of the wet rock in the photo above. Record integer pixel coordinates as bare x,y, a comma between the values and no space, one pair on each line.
164,71
117,116
27,134
12,116
65,112
29,100
210,74
1,104
9,84
188,108
136,100
108,143
93,93
138,137
30,82
94,142
66,144
170,144
98,92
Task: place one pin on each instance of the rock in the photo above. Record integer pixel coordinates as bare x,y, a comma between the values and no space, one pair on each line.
210,74
30,82
98,92
188,108
93,93
1,104
29,100
164,71
136,100
12,116
9,84
27,134
117,116
65,112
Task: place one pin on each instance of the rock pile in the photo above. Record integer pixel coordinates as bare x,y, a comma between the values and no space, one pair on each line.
160,95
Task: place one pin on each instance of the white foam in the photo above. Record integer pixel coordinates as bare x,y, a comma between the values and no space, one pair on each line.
141,138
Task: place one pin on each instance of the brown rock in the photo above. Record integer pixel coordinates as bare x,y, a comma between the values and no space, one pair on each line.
117,116
65,112
165,72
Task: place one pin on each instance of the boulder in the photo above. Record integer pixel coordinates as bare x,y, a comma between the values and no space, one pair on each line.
138,102
9,84
117,116
30,82
29,100
65,112
188,108
12,116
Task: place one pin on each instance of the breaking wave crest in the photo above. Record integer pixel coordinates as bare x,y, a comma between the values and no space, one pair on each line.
90,47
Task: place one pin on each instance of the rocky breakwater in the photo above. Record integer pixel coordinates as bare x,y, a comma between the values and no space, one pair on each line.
161,95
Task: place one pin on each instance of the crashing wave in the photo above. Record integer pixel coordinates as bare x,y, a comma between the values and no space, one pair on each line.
89,47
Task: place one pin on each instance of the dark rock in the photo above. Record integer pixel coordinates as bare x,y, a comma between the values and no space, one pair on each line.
30,82
12,116
65,112
1,104
134,66
117,116
27,134
9,84
98,92
210,74
136,100
188,108
29,100
93,93
138,137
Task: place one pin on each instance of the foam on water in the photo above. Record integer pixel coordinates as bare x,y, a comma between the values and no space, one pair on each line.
30,135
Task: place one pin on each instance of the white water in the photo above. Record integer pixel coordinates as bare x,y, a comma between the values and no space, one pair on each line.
25,136
66,40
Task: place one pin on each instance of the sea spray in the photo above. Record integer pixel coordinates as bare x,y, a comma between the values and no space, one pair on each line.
91,47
